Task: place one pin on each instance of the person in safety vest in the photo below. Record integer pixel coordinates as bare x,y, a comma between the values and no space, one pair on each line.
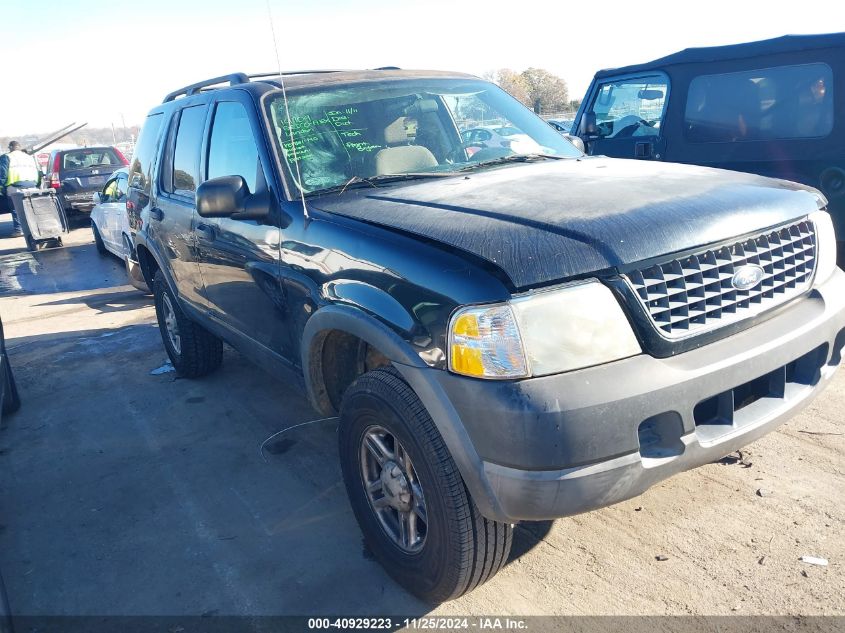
17,169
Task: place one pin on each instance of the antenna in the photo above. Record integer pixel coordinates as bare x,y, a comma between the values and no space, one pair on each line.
287,114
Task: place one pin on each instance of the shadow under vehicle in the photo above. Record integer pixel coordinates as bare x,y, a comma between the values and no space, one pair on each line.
773,107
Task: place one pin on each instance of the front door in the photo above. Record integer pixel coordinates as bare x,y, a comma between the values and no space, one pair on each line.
629,115
239,259
173,213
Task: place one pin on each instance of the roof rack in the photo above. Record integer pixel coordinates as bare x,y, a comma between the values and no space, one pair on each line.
242,78
233,80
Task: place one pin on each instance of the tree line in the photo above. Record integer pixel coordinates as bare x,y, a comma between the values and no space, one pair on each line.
540,90
87,136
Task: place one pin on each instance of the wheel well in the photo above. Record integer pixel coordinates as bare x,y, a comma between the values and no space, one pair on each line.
337,359
148,264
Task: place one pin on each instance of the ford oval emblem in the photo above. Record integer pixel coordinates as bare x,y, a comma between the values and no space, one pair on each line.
747,277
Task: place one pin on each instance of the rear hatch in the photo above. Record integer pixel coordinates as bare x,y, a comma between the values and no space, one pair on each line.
83,171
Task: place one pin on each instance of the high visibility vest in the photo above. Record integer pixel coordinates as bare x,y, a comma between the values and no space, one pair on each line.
22,168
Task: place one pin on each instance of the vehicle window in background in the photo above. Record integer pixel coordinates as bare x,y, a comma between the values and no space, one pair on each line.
121,186
110,191
187,152
630,107
142,160
86,158
772,103
413,126
232,150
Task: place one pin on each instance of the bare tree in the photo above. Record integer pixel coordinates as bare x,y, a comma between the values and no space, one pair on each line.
537,88
546,92
512,82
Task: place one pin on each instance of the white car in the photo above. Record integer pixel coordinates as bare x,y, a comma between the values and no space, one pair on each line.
110,225
501,136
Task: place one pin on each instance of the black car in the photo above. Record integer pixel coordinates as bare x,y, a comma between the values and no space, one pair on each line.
504,336
773,108
76,174
10,401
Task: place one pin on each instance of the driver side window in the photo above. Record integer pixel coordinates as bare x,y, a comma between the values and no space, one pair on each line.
110,191
630,107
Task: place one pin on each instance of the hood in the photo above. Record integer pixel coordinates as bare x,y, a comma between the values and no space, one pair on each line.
544,222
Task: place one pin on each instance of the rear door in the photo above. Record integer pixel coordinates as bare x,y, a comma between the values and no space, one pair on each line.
172,216
629,113
239,259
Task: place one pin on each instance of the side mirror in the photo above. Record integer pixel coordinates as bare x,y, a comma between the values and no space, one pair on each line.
589,126
229,197
97,197
222,197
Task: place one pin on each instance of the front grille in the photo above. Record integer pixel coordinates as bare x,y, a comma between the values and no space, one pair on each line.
695,294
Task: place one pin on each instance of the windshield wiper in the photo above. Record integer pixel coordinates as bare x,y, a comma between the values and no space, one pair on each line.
371,181
513,158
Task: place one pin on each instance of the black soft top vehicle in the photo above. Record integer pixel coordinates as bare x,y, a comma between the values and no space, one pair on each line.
506,333
774,107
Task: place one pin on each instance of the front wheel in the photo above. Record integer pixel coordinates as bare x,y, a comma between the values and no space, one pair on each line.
98,240
193,350
411,503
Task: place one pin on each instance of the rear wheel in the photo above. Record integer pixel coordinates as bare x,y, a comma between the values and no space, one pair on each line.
411,503
193,350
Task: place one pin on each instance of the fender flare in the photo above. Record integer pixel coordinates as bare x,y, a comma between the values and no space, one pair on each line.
357,322
421,379
165,270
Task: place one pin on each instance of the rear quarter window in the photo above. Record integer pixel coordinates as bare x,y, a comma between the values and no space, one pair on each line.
783,102
142,160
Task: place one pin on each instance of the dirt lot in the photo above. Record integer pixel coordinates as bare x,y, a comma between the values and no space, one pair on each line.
125,493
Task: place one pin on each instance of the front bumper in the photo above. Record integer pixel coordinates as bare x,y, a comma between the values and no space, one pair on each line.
564,444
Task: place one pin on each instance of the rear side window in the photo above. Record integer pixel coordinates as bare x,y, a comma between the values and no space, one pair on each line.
142,161
186,154
785,102
232,151
89,158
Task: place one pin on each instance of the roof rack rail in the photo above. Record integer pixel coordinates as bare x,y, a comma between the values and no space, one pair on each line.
296,72
239,78
233,80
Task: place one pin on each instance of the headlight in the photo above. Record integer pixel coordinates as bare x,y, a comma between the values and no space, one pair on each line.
825,245
545,333
485,342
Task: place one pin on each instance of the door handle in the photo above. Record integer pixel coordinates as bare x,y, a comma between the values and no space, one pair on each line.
157,214
642,150
207,231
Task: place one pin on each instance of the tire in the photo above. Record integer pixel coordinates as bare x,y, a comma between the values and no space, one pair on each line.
460,548
12,399
98,240
192,349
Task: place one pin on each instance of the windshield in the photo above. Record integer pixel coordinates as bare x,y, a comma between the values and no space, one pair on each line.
415,126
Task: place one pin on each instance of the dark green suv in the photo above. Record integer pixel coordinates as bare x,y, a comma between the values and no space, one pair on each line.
506,333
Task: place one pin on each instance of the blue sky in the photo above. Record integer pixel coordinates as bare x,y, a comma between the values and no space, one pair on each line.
96,61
